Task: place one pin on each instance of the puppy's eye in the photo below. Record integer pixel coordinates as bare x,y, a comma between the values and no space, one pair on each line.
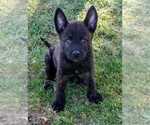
70,37
68,42
83,41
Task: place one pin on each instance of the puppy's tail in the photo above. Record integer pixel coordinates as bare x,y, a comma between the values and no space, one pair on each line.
46,42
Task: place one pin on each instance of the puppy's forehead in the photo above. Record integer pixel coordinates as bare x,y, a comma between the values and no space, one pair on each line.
77,29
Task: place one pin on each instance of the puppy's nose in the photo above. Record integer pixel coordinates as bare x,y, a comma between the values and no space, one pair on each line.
76,53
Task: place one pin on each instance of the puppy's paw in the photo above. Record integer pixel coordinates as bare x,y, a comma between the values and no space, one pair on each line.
94,97
58,105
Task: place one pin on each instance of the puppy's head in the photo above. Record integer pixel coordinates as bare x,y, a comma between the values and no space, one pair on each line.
76,37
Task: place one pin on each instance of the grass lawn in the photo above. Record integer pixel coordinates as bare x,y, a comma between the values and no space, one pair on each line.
108,63
136,62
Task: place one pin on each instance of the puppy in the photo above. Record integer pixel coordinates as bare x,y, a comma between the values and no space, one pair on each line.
72,56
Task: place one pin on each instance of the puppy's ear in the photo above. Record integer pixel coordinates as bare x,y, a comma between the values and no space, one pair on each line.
91,19
60,20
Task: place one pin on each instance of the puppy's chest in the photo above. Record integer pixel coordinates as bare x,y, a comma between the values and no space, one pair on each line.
75,69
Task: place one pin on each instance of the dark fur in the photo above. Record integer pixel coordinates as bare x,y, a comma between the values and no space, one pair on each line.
72,57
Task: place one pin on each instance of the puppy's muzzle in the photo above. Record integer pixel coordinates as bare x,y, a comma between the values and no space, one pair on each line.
76,54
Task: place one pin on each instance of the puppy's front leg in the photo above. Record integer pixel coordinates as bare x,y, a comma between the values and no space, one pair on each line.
59,103
92,94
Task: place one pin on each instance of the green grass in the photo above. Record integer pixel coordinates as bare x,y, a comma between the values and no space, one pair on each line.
13,66
108,59
136,62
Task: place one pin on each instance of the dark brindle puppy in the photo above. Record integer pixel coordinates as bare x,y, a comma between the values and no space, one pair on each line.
72,56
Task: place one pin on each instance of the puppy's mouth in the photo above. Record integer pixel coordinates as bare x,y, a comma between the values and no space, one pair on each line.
76,60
